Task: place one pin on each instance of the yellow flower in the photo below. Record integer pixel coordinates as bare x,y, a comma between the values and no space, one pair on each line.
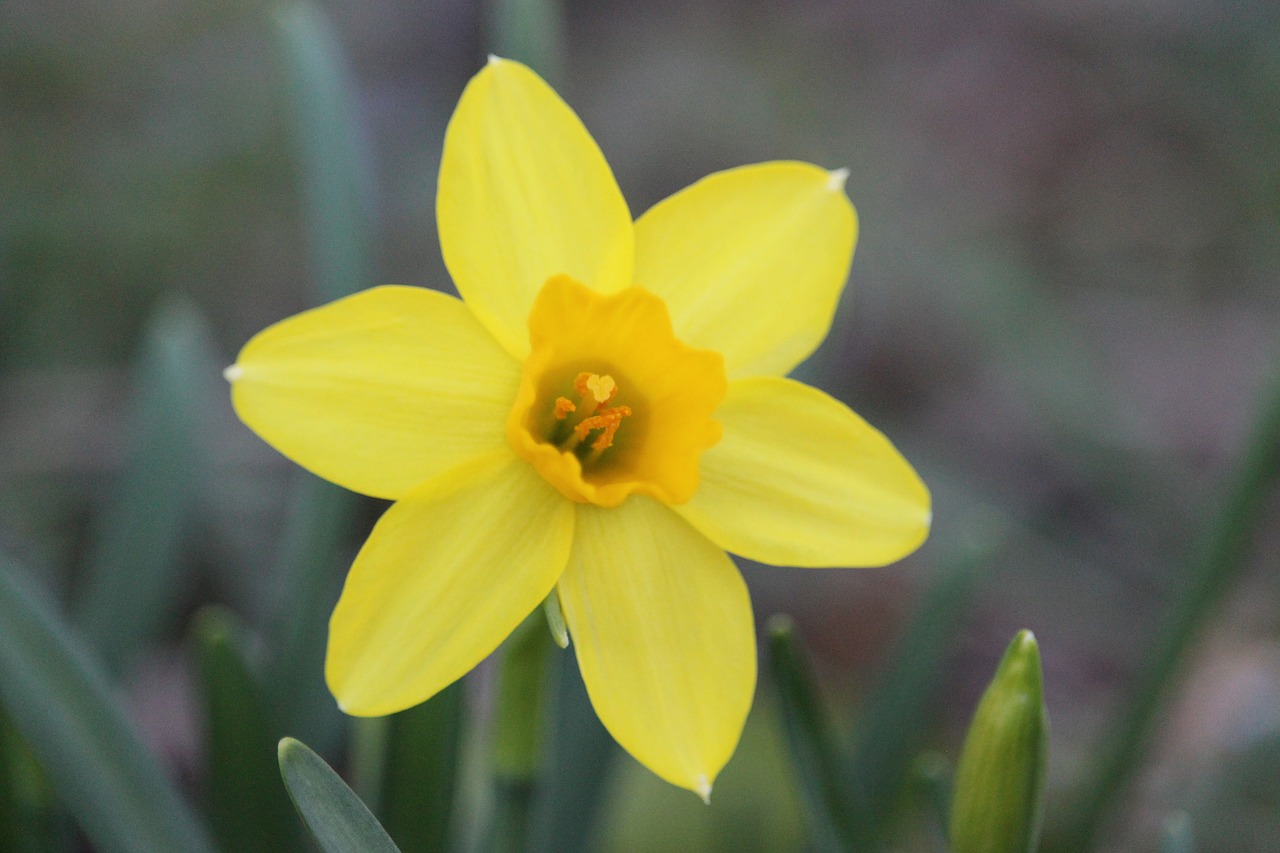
600,417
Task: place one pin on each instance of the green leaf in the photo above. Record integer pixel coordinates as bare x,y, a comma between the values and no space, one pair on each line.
893,723
336,185
61,701
519,733
420,770
931,774
334,814
334,163
1177,836
26,802
521,703
133,576
815,751
248,804
1217,561
532,32
999,787
308,581
579,759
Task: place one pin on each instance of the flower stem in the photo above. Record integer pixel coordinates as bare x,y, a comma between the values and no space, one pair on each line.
519,728
1221,555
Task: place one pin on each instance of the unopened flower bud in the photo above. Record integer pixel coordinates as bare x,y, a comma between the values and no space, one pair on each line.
999,788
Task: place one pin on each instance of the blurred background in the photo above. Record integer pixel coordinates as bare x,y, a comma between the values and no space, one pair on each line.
1063,309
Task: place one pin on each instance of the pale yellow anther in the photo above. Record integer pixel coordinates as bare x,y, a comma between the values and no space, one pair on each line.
601,387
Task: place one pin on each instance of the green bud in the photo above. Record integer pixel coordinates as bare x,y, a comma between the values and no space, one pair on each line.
999,788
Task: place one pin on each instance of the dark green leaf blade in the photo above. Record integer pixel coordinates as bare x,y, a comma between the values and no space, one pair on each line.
337,819
61,701
893,723
1177,835
1220,556
334,163
308,580
814,749
132,579
532,32
575,783
420,770
335,171
27,814
249,806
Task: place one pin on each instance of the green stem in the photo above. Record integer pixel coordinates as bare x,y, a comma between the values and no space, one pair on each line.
369,759
532,32
1218,560
519,728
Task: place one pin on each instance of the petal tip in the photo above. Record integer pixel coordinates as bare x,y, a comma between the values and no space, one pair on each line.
836,179
703,789
494,59
232,372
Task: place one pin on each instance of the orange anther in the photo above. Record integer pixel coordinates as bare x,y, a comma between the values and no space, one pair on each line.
605,440
593,411
563,407
607,420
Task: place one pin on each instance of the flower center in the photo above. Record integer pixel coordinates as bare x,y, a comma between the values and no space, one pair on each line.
593,414
610,401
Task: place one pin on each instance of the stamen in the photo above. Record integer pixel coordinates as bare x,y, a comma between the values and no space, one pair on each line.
602,388
607,420
563,407
605,440
594,413
599,388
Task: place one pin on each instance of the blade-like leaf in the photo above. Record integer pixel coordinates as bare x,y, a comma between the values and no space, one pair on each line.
334,163
26,803
308,580
814,749
59,698
420,771
581,754
893,723
519,733
248,803
532,32
1178,836
1219,558
931,774
132,578
337,819
336,189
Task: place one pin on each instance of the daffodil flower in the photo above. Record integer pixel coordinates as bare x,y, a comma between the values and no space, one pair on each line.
600,418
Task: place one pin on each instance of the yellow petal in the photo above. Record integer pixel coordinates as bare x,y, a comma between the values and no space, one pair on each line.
751,262
447,574
525,194
662,626
379,391
800,480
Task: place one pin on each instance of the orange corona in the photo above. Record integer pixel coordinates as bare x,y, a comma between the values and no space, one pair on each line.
640,413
